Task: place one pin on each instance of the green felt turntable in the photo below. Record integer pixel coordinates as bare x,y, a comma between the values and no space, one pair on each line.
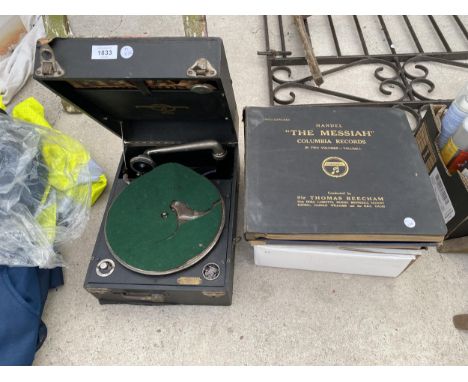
165,221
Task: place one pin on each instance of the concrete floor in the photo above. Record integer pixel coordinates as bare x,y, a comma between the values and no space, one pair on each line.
277,316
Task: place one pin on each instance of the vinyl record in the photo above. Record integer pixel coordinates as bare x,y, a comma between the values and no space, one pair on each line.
165,221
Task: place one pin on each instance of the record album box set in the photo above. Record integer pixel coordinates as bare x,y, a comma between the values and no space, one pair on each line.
326,187
340,189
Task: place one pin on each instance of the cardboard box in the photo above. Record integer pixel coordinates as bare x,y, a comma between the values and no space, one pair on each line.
360,261
451,189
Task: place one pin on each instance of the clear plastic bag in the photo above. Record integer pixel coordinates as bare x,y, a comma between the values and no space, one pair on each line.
45,193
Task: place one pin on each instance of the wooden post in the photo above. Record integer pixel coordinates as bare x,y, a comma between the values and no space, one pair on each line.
309,51
58,26
195,26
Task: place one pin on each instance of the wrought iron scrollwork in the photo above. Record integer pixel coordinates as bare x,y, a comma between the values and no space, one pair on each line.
399,76
422,78
306,82
414,112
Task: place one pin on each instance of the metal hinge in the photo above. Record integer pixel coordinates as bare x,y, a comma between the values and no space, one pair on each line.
201,68
49,67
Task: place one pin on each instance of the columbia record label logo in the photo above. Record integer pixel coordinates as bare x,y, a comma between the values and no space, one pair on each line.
335,167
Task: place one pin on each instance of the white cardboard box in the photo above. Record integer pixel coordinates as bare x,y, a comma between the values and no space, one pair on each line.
359,260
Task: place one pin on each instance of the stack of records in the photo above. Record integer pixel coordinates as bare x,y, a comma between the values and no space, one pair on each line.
339,189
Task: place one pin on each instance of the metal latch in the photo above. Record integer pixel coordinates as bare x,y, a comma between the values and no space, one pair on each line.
201,68
49,67
143,296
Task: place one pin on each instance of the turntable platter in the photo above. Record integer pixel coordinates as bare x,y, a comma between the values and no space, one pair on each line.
165,221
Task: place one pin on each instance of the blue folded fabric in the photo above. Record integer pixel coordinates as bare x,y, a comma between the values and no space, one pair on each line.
23,292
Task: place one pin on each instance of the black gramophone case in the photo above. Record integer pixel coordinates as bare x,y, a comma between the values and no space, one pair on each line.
154,92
